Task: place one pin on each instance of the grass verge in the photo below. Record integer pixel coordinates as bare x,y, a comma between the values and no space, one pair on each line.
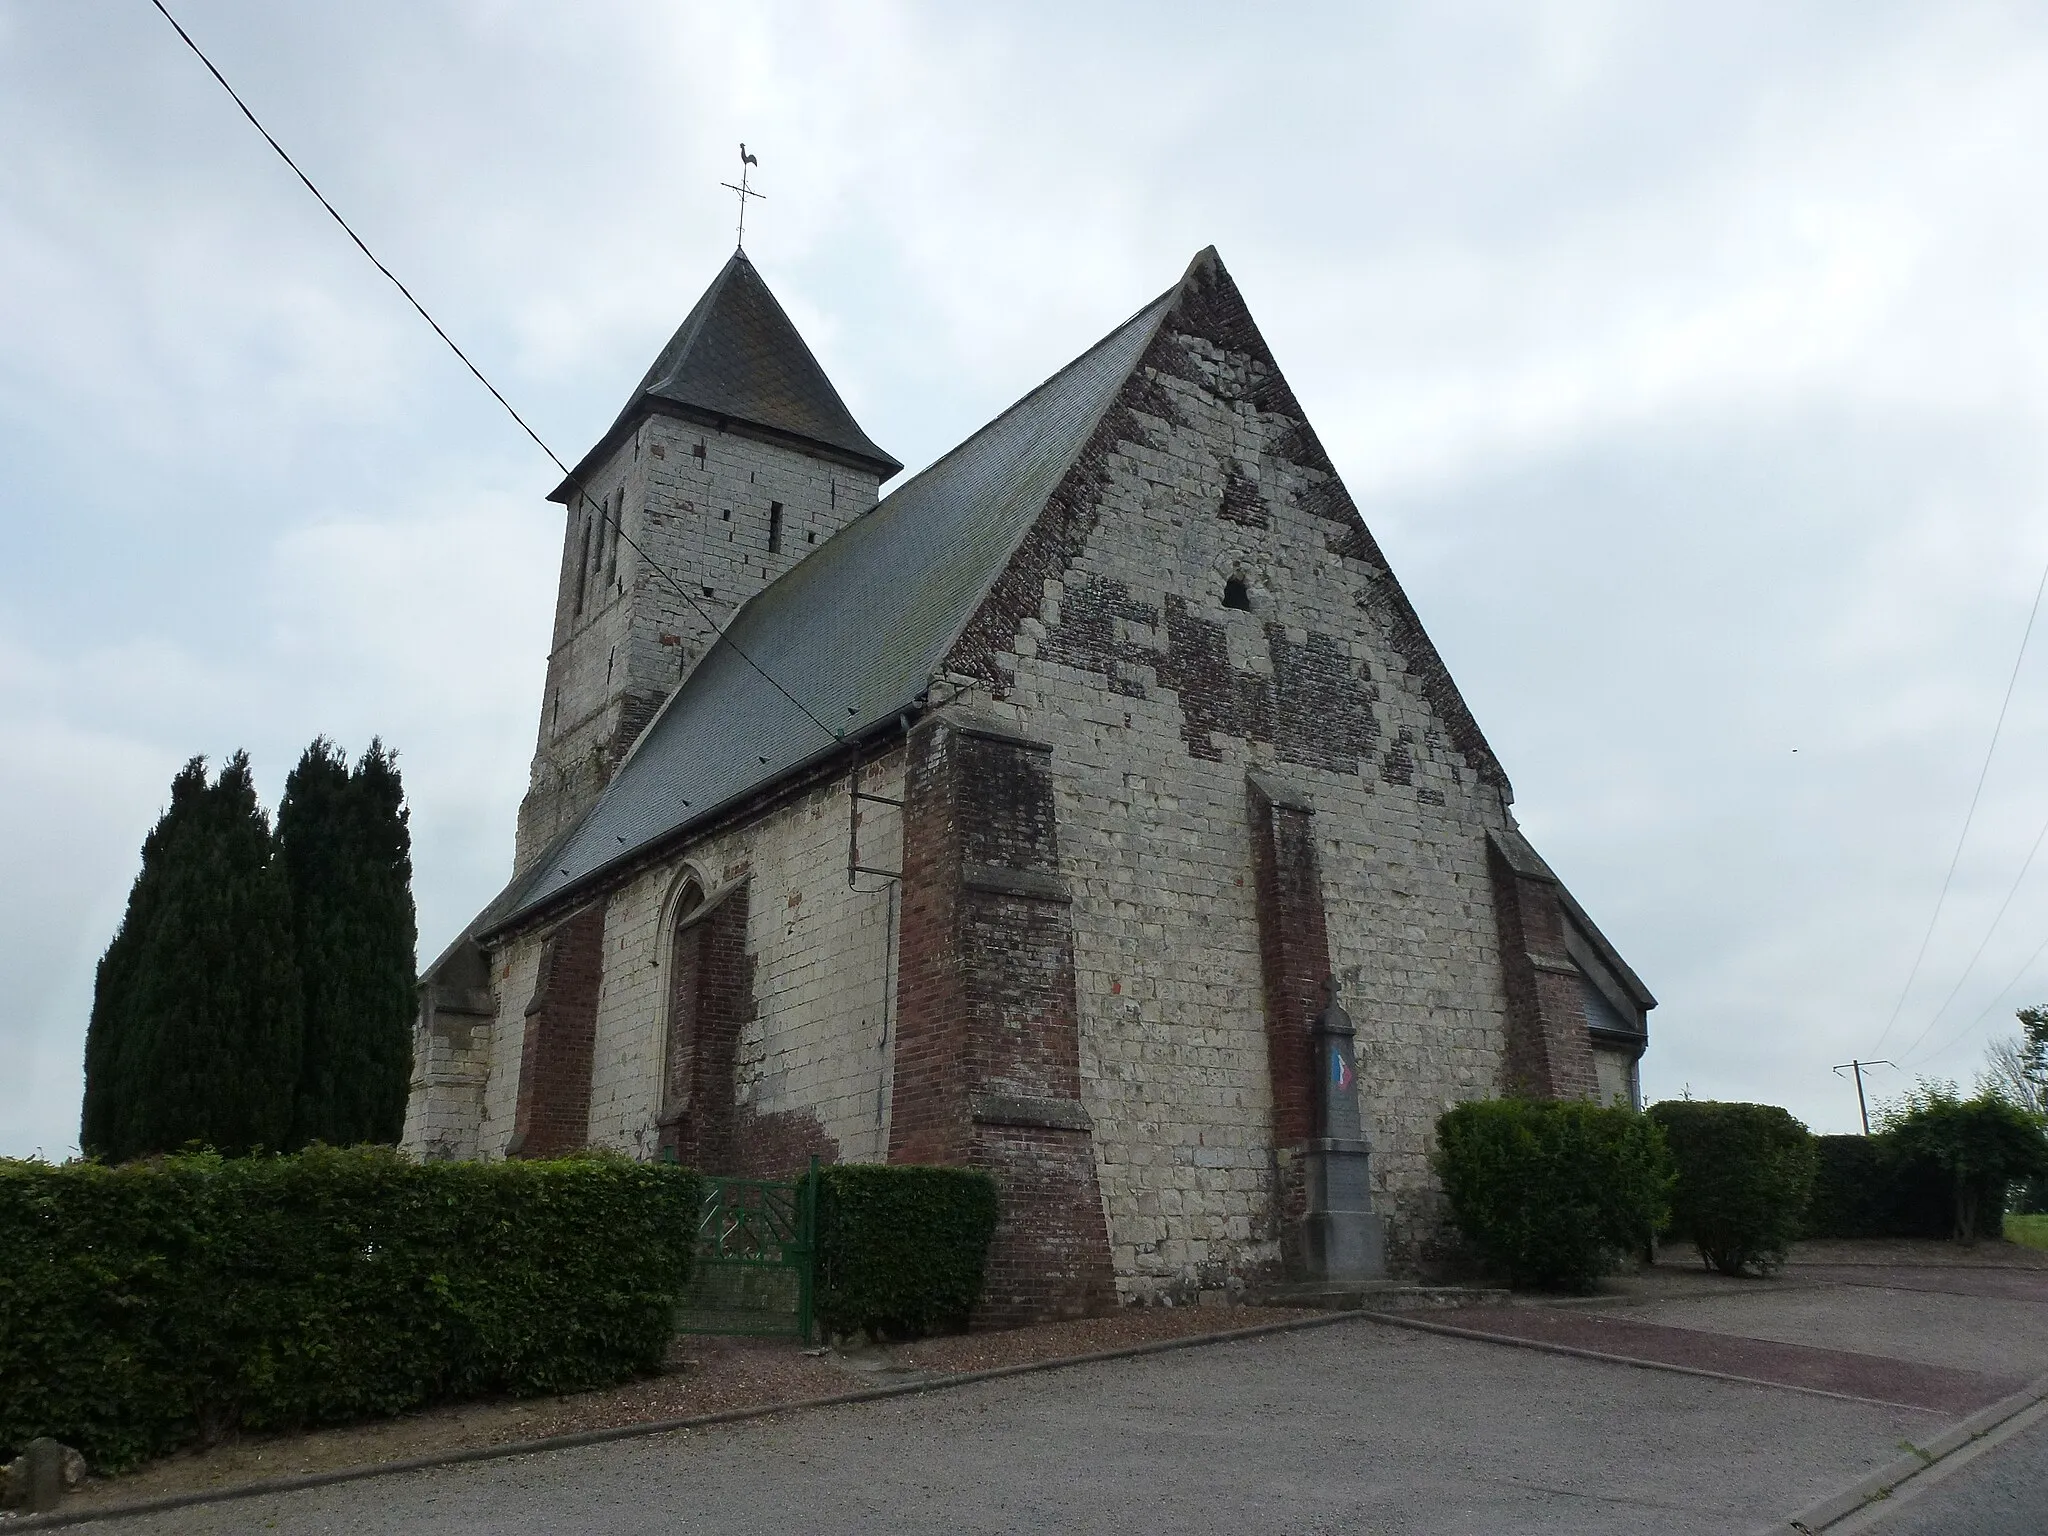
2027,1231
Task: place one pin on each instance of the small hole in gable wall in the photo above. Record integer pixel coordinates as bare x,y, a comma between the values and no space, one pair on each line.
1237,595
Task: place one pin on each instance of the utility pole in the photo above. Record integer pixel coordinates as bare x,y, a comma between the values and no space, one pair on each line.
1858,1067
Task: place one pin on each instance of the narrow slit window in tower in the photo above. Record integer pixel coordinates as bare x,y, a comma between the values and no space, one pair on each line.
583,565
774,527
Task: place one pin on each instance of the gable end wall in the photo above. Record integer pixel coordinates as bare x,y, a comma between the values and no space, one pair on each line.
1107,638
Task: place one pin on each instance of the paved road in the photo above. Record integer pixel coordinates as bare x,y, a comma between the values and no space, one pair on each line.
2002,1492
1356,1428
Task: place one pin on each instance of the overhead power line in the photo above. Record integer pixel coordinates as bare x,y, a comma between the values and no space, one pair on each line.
1998,997
1971,814
582,491
1998,917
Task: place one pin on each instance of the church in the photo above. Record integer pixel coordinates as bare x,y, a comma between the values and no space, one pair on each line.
1030,817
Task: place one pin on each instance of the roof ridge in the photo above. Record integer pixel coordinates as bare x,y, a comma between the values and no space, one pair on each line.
1162,306
1034,392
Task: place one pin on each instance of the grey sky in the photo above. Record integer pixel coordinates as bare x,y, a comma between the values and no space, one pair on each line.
1690,363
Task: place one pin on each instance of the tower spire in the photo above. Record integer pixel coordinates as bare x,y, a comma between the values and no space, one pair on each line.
743,192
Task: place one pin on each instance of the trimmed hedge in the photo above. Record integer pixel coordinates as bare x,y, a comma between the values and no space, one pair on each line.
1862,1187
902,1250
152,1304
1552,1192
1984,1144
1745,1172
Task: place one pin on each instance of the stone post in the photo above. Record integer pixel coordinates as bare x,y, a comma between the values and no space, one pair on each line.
1342,1238
36,1481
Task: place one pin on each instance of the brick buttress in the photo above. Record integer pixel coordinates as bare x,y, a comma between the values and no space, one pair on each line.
1294,962
1549,1055
987,1067
553,1111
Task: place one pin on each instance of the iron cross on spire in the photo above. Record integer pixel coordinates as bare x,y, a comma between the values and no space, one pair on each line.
744,192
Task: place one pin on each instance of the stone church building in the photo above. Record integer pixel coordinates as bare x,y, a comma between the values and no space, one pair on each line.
1017,818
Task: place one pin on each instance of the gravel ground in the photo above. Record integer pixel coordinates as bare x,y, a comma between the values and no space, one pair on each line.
721,1374
711,1375
1353,1428
2013,1284
1084,1336
1929,1304
1919,1251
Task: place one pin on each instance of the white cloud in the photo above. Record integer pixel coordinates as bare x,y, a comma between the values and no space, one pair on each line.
1689,364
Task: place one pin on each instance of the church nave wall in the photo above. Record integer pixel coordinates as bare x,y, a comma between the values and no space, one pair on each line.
809,1064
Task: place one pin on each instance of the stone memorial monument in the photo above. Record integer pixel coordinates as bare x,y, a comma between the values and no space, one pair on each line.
1343,1239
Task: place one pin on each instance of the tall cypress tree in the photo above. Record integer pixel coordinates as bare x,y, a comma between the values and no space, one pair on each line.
110,1063
346,850
196,1022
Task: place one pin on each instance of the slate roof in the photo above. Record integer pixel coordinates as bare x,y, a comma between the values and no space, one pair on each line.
1523,859
854,630
737,358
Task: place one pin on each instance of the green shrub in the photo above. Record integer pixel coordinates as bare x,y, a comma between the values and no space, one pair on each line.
1864,1187
1983,1145
902,1250
1745,1174
1551,1192
148,1305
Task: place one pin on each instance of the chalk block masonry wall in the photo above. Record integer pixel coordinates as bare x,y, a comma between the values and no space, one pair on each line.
1108,646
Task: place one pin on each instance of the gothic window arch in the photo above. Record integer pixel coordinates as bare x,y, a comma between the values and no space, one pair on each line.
678,1025
709,995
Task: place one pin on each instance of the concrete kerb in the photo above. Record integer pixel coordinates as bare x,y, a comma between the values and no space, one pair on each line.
302,1481
1887,1479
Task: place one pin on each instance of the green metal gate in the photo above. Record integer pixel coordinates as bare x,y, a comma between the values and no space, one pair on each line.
756,1240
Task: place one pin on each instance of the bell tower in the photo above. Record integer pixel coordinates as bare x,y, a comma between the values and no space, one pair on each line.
733,460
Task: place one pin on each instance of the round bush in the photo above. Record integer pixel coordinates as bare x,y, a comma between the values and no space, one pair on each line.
1551,1193
1745,1175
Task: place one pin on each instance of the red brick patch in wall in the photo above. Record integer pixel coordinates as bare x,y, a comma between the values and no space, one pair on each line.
779,1145
553,1110
987,1066
711,996
1210,309
1294,948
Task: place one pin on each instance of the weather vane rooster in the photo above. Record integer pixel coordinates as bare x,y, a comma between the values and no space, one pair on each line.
743,191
